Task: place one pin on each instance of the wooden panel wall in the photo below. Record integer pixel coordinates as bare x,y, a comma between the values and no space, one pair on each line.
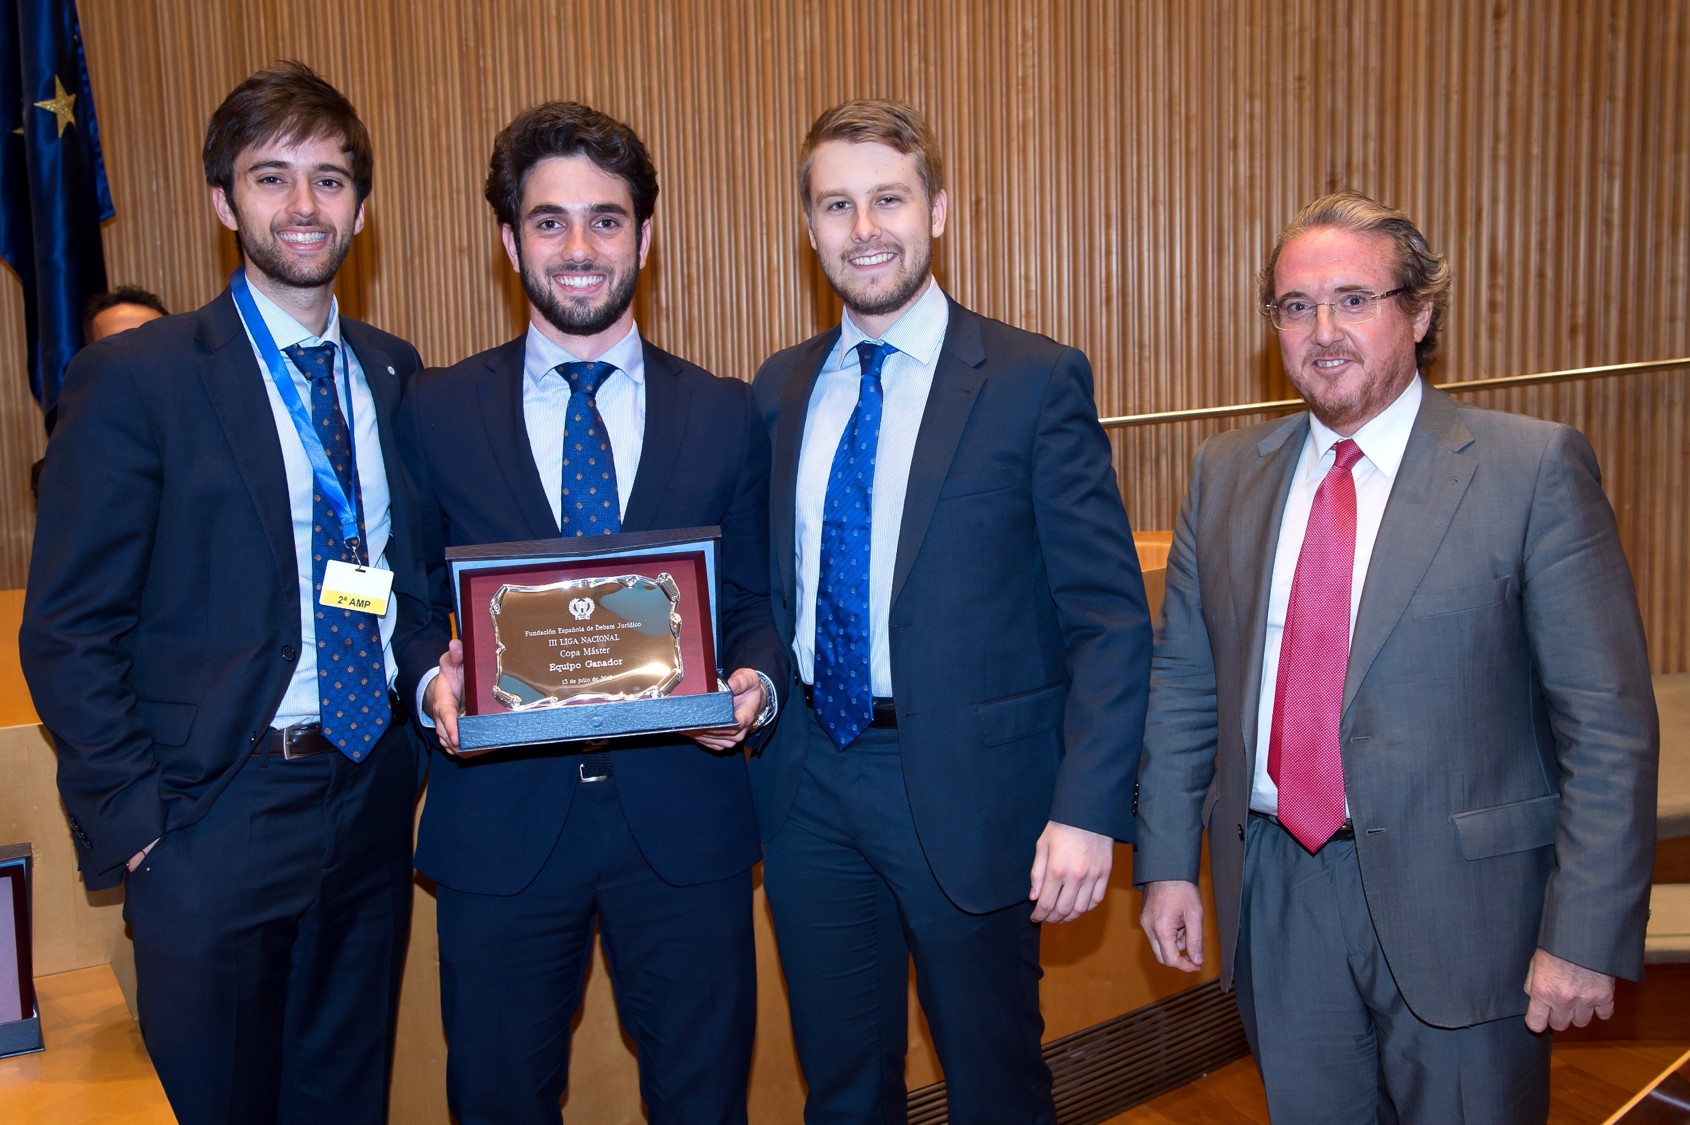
1117,171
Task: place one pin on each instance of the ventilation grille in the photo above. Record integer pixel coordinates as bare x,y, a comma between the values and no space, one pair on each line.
1112,1066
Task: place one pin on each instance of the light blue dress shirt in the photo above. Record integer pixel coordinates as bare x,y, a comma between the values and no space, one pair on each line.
907,377
299,703
621,403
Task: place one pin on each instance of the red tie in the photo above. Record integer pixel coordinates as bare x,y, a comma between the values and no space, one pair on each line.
1303,756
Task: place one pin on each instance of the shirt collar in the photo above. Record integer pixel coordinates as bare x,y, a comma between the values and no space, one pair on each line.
919,333
1383,439
542,354
285,330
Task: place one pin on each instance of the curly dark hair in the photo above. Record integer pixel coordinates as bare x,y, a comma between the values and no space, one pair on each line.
567,129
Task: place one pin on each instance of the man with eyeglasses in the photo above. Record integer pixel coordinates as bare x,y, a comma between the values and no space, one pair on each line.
1401,678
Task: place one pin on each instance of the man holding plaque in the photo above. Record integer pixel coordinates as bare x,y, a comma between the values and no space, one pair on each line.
581,427
958,584
225,546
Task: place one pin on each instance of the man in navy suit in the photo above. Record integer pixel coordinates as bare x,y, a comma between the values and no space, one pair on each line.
957,582
653,837
227,745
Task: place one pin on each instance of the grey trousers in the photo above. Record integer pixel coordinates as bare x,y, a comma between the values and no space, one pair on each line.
1335,1041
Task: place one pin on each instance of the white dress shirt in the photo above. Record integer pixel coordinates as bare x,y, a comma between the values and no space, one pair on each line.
1382,440
300,702
620,399
906,378
621,403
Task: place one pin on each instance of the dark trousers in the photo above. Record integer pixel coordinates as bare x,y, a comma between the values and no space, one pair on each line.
853,900
682,965
270,937
1335,1041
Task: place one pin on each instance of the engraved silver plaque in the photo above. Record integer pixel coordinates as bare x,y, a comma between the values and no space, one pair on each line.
586,640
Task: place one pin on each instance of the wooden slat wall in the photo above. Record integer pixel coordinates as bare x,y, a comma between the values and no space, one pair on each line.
1117,171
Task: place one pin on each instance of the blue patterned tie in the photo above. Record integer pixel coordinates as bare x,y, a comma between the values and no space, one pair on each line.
590,505
351,676
844,693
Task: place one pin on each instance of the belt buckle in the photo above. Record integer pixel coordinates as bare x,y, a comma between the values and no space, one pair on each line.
593,746
299,732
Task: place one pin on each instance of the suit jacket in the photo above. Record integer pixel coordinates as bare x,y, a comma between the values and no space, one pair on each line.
490,822
161,625
1499,736
1019,633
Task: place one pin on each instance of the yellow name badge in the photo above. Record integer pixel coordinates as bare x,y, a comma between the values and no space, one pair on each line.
361,588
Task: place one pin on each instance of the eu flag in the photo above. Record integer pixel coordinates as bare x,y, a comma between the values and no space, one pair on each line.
53,189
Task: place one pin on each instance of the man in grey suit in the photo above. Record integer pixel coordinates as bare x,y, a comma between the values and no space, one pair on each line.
1400,677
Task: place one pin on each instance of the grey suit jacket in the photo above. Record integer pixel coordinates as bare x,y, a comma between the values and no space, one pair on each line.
1499,734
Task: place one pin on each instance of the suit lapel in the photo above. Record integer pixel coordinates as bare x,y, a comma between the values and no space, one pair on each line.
667,407
234,383
793,409
500,401
1431,481
1253,543
956,388
379,375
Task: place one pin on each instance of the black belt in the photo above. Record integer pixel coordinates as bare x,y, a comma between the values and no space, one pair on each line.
885,714
1346,830
302,740
305,740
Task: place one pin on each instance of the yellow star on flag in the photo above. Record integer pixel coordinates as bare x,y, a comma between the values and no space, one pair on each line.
60,105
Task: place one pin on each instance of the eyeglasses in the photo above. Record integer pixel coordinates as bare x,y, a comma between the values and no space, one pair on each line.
1357,307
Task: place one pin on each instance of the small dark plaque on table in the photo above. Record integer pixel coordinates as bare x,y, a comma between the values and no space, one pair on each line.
592,637
20,1021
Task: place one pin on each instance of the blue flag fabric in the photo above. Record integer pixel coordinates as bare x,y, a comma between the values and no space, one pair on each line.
53,189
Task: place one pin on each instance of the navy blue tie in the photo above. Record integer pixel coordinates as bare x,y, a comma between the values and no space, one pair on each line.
351,674
590,505
844,692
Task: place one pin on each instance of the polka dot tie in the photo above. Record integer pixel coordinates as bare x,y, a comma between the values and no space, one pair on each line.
1314,652
351,675
590,505
844,694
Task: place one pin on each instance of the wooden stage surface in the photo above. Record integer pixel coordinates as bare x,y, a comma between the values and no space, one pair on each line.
94,1069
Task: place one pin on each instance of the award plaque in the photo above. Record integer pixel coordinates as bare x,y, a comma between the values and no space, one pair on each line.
593,637
20,1022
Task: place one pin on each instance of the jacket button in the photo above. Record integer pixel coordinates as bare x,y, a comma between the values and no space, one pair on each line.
289,653
1241,833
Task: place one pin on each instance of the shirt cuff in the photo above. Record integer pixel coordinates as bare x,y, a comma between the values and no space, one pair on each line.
423,716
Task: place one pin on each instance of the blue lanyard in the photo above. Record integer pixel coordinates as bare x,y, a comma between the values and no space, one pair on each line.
327,479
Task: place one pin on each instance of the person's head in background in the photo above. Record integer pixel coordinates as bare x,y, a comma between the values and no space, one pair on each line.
118,310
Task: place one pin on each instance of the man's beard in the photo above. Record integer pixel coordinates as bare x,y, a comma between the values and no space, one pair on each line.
900,290
577,319
273,262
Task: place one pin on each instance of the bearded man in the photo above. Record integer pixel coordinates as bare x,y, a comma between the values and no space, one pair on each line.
959,590
228,748
652,838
